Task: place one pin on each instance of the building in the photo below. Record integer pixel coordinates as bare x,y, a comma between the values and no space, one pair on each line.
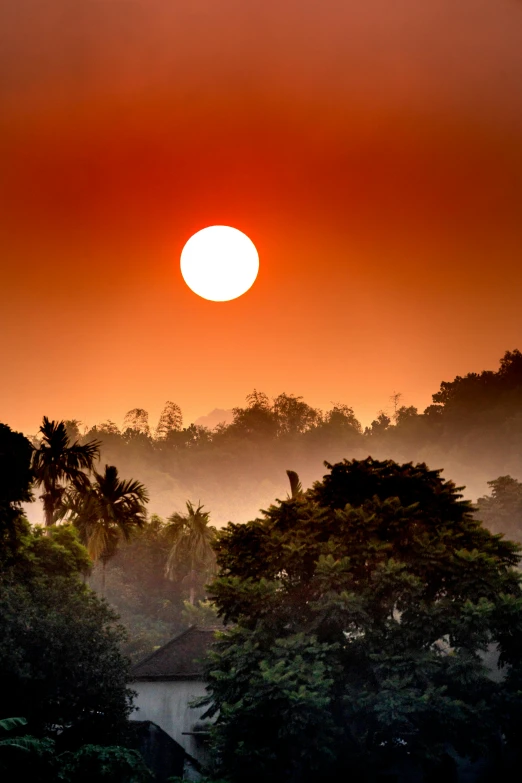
167,682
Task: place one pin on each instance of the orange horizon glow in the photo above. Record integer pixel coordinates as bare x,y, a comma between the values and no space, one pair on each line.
372,154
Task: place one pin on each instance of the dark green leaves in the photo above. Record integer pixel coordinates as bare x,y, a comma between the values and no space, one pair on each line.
367,606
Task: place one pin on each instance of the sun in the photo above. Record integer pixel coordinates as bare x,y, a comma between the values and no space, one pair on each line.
219,263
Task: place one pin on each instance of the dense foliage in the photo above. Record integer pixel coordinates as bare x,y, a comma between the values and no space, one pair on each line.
25,757
60,660
152,601
15,488
361,614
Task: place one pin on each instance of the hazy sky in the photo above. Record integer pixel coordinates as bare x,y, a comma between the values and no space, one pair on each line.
371,150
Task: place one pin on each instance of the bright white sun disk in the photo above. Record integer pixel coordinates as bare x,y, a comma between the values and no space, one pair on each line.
219,263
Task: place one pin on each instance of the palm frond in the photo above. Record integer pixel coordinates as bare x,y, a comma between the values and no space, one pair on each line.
57,463
296,488
105,511
9,724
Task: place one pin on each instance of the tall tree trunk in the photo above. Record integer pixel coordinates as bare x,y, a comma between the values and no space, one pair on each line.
192,593
50,504
48,509
104,563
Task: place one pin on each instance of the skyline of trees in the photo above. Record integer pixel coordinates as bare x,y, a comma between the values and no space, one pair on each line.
472,430
485,391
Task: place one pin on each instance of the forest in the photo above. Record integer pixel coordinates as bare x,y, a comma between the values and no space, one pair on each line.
146,531
472,430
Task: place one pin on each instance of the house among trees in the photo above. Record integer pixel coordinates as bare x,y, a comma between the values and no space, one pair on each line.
166,683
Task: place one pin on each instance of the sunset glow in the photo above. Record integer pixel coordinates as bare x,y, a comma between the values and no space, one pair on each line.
261,398
370,153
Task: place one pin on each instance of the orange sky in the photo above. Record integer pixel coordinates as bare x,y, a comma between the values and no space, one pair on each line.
371,150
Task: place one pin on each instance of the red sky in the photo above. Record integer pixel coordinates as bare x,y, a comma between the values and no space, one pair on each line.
371,150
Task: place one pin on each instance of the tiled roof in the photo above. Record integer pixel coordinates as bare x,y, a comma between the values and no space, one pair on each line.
179,659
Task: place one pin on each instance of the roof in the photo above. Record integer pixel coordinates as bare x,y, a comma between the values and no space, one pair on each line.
179,659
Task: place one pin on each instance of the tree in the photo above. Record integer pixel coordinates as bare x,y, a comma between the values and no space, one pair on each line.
15,487
502,510
171,420
190,536
203,614
257,419
293,415
379,425
149,604
108,428
336,431
483,396
58,463
405,414
137,419
395,399
342,417
360,611
105,511
72,427
60,660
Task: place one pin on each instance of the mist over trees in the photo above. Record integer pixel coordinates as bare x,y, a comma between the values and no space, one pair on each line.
472,430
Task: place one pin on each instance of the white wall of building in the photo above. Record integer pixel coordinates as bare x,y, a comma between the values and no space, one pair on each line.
166,703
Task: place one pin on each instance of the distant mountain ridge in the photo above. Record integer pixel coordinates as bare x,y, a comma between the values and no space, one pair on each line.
215,417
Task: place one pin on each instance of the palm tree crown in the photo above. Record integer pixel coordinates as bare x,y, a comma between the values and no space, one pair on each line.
105,511
58,463
191,536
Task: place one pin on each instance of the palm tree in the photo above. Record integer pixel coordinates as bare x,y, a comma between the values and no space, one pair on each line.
57,463
105,511
296,488
191,536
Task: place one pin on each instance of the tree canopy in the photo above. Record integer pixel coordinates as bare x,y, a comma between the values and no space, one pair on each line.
60,662
106,510
501,511
190,536
472,429
362,611
15,486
